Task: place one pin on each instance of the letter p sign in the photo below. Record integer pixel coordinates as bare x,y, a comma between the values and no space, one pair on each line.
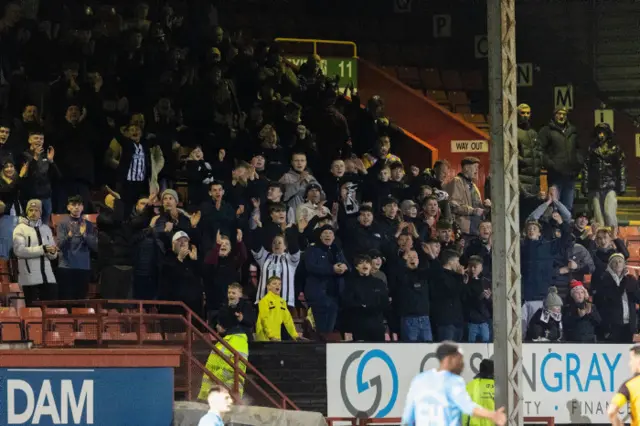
441,26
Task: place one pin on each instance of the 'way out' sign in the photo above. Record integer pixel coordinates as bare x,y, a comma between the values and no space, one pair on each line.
470,146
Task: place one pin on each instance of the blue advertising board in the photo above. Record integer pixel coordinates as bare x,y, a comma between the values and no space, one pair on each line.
100,396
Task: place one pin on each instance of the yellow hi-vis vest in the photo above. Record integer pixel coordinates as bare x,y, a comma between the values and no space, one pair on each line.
482,393
223,370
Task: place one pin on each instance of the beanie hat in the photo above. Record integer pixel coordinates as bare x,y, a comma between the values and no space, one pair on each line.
35,203
614,255
310,187
552,300
575,284
171,192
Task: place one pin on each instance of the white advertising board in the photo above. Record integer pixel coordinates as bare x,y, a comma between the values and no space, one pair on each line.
572,383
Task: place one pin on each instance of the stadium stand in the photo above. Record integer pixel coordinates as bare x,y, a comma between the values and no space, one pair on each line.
171,179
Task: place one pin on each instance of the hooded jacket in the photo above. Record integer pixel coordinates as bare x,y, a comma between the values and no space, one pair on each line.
295,188
604,168
34,264
529,161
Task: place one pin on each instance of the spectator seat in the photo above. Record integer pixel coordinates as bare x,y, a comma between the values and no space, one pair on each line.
458,99
440,97
451,80
431,79
410,76
472,81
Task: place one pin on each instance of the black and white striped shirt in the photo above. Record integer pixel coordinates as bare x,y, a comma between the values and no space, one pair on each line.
137,167
279,265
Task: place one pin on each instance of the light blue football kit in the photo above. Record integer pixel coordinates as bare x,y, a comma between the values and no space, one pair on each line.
437,398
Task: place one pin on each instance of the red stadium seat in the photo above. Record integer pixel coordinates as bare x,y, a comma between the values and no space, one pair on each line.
451,80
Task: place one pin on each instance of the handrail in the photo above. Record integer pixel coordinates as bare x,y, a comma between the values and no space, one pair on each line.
191,328
316,41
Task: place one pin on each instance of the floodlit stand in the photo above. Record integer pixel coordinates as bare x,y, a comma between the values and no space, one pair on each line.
501,30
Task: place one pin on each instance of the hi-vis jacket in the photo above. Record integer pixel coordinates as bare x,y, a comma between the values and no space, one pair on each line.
222,368
481,391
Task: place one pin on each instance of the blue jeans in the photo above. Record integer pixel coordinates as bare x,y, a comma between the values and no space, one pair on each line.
481,330
450,332
46,210
566,188
325,312
415,329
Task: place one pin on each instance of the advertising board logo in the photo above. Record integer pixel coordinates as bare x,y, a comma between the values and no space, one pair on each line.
373,384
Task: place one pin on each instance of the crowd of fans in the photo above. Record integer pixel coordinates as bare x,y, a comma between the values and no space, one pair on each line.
293,198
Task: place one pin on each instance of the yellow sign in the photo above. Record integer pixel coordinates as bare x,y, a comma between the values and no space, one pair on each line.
637,144
470,146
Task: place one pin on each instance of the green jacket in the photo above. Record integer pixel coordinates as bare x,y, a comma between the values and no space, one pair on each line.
481,391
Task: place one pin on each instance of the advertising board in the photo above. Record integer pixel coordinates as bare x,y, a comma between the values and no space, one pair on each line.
572,383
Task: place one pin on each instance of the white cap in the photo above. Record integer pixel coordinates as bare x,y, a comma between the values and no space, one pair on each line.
179,235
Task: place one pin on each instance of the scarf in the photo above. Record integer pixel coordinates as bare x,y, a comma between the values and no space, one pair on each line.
556,316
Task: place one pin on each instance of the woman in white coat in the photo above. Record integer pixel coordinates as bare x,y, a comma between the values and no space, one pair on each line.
34,246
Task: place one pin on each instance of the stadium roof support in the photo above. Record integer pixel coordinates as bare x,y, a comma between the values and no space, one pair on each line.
501,25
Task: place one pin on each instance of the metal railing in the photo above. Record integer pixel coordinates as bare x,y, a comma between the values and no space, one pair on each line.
316,41
125,322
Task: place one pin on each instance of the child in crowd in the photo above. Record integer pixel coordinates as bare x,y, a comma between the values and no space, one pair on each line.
479,308
364,301
238,313
220,362
273,313
546,323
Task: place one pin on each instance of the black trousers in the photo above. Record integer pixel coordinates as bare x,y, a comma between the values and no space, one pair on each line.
73,284
34,293
369,331
116,282
130,193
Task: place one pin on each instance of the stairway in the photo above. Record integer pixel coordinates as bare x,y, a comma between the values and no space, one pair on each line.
617,55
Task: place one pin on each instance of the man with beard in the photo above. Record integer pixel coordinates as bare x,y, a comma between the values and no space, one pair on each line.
529,163
562,156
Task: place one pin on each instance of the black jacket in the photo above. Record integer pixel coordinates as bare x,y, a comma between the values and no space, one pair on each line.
478,308
608,297
182,281
561,149
529,161
409,290
74,152
214,220
477,247
37,182
228,319
447,297
541,326
360,239
364,300
580,329
601,256
604,169
114,237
